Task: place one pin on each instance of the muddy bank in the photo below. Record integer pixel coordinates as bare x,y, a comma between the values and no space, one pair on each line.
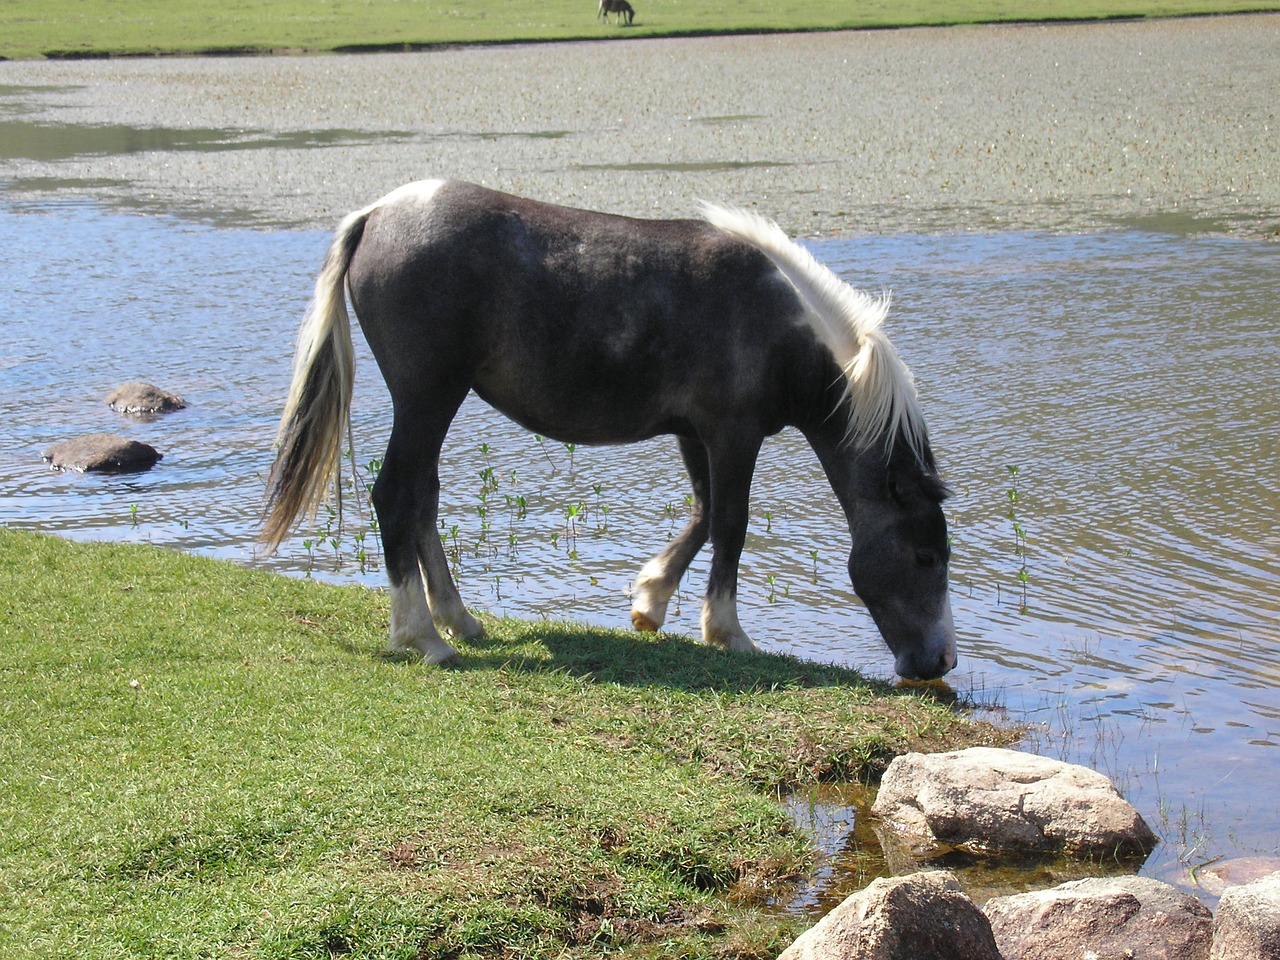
1062,127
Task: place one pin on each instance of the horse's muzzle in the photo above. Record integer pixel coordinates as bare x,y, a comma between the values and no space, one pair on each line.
936,656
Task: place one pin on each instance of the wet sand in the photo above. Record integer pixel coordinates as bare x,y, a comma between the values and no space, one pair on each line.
1169,124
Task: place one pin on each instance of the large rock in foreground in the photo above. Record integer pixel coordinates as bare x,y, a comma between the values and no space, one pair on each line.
143,399
1118,918
987,800
104,452
1248,923
921,917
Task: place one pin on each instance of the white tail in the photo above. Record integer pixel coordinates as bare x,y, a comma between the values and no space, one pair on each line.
317,414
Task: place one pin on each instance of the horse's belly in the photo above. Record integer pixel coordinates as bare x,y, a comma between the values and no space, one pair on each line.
585,409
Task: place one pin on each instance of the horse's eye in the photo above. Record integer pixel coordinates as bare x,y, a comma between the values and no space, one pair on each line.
927,559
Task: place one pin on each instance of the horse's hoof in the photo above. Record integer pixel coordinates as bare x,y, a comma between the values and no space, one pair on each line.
643,623
730,640
470,629
451,615
440,653
431,650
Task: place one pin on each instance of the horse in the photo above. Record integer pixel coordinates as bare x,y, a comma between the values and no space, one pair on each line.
621,7
593,328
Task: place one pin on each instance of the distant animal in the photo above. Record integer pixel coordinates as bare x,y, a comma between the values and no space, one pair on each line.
620,7
590,328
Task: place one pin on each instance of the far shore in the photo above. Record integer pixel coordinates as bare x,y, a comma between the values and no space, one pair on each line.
1058,127
60,29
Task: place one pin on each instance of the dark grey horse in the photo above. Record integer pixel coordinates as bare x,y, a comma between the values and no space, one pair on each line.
596,329
621,7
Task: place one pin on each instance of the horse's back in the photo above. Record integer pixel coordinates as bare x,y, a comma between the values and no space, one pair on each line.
580,325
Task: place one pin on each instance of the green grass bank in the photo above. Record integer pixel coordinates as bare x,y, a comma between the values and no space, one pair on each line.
203,760
37,28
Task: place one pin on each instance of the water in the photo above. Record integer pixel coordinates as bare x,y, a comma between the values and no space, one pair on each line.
1130,377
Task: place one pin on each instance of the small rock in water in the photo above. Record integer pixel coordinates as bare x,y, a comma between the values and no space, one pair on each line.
141,399
105,452
1219,876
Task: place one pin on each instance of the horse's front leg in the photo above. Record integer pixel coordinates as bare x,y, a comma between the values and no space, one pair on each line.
732,464
658,579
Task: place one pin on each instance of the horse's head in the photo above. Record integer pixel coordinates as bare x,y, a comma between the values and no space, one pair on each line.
899,561
875,450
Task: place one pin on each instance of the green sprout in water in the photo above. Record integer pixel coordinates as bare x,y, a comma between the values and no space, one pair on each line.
1019,535
602,509
452,547
571,514
542,445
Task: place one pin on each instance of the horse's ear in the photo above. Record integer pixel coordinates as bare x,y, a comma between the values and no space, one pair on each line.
907,480
896,486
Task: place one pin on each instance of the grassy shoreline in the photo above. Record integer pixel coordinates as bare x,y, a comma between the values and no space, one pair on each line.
208,760
69,28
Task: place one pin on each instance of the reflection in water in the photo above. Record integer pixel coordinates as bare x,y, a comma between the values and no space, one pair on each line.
28,140
852,851
1131,378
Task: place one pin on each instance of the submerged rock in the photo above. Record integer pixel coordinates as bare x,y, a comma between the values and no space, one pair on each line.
1118,918
1248,923
1217,877
140,399
986,800
925,915
105,452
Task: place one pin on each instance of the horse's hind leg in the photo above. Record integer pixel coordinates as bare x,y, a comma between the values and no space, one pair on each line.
445,601
406,496
659,578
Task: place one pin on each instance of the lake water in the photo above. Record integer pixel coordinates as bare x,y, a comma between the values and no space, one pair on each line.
1124,384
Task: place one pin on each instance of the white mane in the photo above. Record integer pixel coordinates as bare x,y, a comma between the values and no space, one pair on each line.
881,389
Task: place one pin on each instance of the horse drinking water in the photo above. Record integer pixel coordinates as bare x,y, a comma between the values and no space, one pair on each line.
593,329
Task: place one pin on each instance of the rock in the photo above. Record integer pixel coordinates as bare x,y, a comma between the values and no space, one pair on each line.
1217,877
1248,923
1118,918
985,800
143,398
924,916
105,452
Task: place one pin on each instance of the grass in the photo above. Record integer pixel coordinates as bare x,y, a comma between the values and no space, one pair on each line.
35,28
202,760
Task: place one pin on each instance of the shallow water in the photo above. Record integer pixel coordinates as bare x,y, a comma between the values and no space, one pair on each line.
1131,377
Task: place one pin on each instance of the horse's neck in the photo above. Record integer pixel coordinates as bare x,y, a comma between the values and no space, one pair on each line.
846,467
